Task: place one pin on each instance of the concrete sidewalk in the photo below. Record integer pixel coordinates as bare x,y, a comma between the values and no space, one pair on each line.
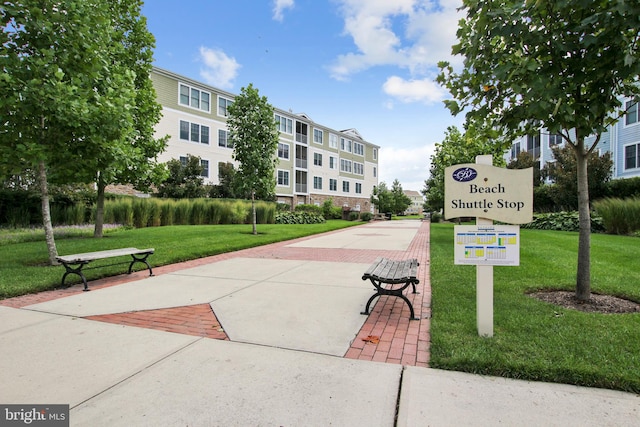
267,336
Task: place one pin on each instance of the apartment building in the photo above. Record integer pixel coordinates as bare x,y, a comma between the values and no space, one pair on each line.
315,162
417,202
622,140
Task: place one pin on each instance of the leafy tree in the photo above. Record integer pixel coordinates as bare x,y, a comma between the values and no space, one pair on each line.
457,148
62,100
563,173
131,158
185,179
254,134
400,200
525,160
382,198
562,65
227,179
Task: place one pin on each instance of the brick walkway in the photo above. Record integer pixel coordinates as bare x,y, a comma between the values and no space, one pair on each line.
386,336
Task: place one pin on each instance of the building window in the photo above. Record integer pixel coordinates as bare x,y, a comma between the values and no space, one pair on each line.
554,139
194,132
283,151
631,117
515,150
317,136
358,168
345,144
184,130
317,159
194,98
284,124
333,184
333,162
632,156
205,168
345,166
223,106
317,183
358,188
533,145
358,148
283,178
375,154
333,141
375,172
223,139
345,186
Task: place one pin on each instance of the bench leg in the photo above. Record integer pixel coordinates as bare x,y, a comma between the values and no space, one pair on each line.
78,271
143,260
381,290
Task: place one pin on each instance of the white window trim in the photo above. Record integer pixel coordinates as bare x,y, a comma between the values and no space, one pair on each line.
624,156
288,178
189,105
624,117
288,151
321,136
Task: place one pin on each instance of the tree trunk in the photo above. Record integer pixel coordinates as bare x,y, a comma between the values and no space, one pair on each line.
253,211
583,278
97,231
46,214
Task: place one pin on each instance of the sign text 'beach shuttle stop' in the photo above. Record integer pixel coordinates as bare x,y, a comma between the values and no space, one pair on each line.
487,193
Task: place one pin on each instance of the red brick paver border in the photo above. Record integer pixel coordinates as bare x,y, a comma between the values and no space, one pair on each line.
386,336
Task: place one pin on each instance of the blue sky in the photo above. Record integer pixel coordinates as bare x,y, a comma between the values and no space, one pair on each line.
363,64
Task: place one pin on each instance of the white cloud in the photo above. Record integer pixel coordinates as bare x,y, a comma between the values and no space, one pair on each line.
219,69
279,6
423,90
410,34
410,166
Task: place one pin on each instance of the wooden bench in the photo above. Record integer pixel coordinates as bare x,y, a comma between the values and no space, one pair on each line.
74,263
385,273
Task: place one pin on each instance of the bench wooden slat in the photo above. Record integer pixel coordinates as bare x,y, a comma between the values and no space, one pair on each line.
92,256
388,272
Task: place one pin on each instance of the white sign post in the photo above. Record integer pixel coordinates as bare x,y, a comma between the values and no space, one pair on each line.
484,279
488,193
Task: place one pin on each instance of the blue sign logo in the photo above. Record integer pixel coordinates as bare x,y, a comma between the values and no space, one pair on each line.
464,174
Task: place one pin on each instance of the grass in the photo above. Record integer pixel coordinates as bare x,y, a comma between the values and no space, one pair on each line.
24,254
534,340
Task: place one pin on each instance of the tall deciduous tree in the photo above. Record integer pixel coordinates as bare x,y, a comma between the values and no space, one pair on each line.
400,200
131,157
456,148
559,64
57,108
382,198
254,134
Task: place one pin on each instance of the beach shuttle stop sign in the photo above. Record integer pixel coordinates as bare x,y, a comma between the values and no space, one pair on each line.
486,191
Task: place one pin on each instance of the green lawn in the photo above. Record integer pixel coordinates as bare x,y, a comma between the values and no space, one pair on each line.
534,340
24,267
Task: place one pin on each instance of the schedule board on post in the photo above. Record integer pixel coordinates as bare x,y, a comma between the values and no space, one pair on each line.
487,245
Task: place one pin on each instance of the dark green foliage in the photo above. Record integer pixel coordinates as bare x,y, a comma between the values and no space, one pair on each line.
366,216
624,188
329,211
353,216
563,172
184,181
562,221
298,218
316,210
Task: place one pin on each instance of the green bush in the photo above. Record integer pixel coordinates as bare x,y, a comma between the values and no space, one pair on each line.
619,216
353,216
436,217
298,218
366,216
317,210
625,188
562,221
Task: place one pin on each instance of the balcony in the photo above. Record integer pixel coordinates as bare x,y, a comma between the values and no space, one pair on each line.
302,138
